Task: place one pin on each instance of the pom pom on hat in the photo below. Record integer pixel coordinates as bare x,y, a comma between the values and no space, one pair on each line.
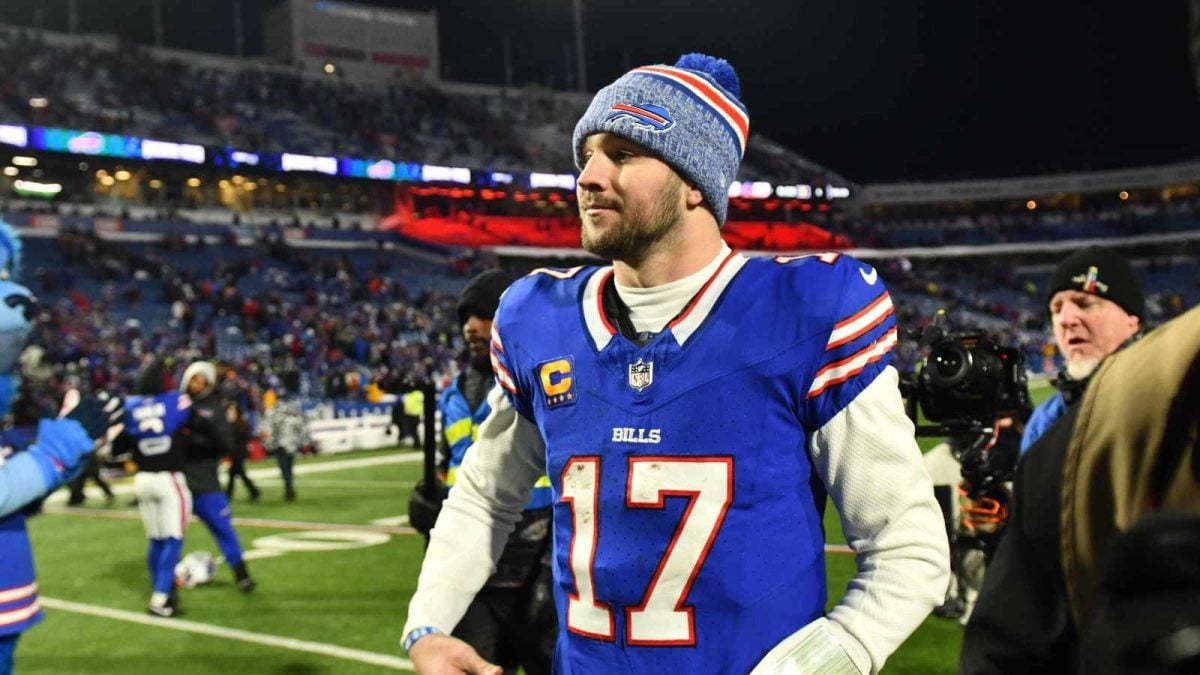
719,69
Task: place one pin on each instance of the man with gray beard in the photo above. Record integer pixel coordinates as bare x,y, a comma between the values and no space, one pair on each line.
1096,305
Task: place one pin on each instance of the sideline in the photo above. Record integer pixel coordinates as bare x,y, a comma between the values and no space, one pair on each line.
129,514
183,625
125,485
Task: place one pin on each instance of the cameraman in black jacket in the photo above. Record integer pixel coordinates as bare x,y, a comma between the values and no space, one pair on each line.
204,452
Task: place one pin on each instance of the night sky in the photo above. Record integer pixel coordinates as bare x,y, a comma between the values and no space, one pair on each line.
877,91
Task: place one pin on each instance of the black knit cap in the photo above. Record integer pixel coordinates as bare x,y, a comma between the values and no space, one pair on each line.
1103,272
481,297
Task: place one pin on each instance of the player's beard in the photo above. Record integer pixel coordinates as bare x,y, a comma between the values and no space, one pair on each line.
637,230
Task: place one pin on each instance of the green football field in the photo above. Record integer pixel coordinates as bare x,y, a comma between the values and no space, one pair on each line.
335,570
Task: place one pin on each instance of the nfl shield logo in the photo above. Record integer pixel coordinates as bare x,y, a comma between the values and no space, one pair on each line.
641,374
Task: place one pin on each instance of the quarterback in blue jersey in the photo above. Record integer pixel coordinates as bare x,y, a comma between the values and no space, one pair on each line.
693,409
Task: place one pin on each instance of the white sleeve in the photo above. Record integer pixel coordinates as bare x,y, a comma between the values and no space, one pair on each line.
868,459
490,491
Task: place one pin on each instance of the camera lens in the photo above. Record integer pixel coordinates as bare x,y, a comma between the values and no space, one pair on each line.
949,364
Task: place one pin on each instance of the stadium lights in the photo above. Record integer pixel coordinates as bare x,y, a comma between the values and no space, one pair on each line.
563,181
293,162
11,134
37,189
21,160
11,171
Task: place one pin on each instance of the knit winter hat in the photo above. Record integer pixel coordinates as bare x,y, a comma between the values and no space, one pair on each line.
481,297
687,114
1103,272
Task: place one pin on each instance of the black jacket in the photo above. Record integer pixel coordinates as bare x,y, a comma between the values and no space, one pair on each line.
212,439
1022,620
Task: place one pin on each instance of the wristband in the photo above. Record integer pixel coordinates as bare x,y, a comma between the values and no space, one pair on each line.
418,633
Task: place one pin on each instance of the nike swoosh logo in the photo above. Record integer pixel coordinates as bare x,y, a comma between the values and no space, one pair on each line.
870,277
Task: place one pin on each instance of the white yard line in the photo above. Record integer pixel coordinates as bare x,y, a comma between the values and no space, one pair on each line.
127,514
372,658
333,482
392,521
271,471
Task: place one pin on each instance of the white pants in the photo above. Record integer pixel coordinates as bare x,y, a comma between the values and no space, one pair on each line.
165,503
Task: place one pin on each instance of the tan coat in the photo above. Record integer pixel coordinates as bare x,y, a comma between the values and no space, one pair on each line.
1118,440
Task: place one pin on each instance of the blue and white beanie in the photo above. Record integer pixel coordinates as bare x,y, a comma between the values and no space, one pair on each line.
687,114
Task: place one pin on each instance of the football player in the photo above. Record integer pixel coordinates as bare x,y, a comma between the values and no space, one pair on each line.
156,422
692,408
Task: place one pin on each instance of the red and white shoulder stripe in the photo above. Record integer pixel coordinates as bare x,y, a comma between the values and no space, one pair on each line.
861,322
841,370
503,377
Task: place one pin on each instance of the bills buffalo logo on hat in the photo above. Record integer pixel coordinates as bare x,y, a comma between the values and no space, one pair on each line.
647,116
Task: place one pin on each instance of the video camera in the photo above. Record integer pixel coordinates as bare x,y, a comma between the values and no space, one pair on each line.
964,383
964,386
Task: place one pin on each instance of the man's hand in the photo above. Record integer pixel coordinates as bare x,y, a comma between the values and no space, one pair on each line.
437,654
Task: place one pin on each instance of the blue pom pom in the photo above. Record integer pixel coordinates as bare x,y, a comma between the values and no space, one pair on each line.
719,69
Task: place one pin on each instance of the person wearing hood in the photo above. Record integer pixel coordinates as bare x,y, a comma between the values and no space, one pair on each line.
205,451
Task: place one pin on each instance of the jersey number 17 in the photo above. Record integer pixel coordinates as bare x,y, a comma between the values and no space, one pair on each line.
662,618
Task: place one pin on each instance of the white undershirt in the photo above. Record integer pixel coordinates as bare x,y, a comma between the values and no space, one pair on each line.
866,456
650,309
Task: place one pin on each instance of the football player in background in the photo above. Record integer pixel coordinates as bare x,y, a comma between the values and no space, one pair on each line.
693,408
205,449
157,420
58,451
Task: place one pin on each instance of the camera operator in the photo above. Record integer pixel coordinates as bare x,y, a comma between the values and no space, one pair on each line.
1097,572
1096,306
974,391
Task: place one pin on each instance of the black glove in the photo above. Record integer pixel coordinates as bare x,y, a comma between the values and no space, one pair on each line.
422,510
101,415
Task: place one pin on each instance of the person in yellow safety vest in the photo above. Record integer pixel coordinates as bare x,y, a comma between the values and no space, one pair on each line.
413,404
512,621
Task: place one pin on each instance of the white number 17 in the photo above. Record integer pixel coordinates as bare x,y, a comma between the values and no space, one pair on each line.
662,618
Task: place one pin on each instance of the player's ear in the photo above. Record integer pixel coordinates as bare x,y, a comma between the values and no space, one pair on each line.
694,197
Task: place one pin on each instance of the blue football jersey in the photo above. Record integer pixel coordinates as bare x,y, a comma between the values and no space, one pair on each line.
152,422
687,521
